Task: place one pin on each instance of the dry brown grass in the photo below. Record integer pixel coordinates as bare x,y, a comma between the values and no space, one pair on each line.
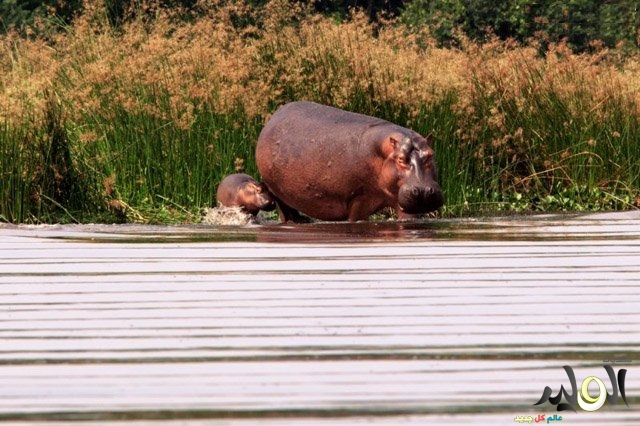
170,69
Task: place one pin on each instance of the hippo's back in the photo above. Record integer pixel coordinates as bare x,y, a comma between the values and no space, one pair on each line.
317,121
317,134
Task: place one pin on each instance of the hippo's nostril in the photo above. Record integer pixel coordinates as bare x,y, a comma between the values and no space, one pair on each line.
415,191
429,191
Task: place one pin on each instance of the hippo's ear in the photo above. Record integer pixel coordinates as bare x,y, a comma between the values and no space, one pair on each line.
390,144
429,138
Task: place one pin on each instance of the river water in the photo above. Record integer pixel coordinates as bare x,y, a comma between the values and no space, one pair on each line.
428,322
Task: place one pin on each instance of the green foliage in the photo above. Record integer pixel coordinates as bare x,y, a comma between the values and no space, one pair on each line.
442,17
136,167
619,21
153,161
14,187
37,16
574,20
41,180
121,11
579,22
551,156
142,169
574,198
12,13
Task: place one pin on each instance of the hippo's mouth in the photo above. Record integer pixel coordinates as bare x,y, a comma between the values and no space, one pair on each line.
267,204
420,201
420,209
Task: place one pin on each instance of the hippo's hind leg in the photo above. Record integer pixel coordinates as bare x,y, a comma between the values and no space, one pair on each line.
289,214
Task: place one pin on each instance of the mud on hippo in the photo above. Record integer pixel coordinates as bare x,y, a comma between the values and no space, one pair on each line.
334,165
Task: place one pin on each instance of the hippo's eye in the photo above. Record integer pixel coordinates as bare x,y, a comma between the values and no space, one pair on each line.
403,162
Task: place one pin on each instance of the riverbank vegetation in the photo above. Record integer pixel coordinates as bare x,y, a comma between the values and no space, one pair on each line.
139,119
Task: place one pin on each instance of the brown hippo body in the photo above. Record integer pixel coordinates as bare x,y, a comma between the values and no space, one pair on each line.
241,190
332,164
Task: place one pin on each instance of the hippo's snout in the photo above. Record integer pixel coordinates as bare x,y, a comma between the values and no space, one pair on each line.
266,202
415,199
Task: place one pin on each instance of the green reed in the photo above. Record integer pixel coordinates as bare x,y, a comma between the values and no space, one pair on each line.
552,153
13,185
142,168
158,171
136,167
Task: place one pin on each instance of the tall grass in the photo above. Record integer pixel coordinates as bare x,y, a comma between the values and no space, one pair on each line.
140,123
152,163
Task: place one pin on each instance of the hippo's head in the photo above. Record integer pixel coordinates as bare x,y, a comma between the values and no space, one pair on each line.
257,197
410,161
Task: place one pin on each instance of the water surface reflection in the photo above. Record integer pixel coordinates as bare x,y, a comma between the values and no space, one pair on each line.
463,321
514,228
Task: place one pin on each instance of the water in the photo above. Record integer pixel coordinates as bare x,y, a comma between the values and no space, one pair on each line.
440,321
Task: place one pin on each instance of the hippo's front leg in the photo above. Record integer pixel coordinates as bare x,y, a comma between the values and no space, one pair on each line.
358,212
405,216
362,206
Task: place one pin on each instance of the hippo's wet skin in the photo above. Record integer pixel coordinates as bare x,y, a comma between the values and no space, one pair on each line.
333,165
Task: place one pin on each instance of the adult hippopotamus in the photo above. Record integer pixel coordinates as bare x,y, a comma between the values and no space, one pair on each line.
241,190
332,164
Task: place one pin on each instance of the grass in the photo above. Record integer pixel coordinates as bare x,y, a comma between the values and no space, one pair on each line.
152,163
141,123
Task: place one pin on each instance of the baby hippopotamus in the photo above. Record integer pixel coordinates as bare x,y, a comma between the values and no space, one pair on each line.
241,190
332,164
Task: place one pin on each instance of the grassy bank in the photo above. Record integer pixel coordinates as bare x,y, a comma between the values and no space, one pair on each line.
141,123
